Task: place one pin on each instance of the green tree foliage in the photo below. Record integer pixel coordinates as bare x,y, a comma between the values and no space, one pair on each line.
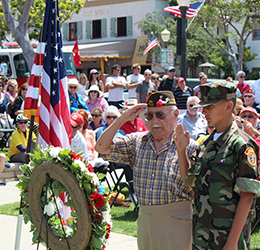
199,45
24,18
234,22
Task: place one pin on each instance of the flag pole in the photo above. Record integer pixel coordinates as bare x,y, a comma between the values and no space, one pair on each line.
194,16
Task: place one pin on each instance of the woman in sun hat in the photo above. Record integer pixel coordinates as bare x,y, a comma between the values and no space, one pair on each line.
94,80
76,100
95,98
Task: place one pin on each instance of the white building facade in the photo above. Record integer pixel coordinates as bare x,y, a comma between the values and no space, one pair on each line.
108,33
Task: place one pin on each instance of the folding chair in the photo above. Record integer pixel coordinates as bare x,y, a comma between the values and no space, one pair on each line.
6,130
118,182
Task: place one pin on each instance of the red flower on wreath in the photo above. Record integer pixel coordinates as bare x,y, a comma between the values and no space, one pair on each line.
159,103
97,217
108,231
98,200
75,156
90,168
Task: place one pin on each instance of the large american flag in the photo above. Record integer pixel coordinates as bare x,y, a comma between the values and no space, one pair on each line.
191,12
48,76
153,42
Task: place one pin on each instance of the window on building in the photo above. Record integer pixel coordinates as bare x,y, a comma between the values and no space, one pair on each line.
256,32
96,29
121,26
73,31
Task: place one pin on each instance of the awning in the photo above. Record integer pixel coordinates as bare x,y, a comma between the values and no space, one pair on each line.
122,49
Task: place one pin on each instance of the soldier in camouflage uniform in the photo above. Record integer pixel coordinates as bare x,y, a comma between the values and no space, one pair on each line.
223,173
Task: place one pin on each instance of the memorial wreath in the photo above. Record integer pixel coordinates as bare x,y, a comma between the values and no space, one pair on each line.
61,185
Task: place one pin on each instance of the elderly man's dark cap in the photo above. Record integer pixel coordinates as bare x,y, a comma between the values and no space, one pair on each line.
215,92
160,98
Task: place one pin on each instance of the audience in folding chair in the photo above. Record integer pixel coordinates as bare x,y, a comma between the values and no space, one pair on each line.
19,139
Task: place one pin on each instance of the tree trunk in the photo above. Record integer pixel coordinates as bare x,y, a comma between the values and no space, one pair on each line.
24,42
20,30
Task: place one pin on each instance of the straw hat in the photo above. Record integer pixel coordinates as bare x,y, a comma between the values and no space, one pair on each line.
74,82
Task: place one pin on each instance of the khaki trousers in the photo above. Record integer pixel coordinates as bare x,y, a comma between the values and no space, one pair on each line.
165,227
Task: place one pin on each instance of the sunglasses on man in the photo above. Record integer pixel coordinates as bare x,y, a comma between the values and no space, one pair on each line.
23,122
160,115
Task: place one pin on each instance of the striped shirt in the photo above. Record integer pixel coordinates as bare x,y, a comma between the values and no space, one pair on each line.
157,178
181,97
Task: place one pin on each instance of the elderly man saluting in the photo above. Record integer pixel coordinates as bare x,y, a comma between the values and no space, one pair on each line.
165,213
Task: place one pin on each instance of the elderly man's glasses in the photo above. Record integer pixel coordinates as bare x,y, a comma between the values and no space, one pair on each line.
73,87
247,116
147,74
111,117
249,96
160,115
242,77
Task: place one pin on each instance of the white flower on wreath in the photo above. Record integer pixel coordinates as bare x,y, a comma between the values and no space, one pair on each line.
68,231
94,178
54,152
106,216
49,209
49,193
81,164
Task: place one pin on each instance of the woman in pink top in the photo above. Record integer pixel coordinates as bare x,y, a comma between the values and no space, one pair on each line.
95,98
11,90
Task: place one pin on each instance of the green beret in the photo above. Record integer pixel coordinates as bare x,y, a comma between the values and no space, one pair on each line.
160,98
215,92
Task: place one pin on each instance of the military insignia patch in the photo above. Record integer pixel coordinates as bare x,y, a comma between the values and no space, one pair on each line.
251,157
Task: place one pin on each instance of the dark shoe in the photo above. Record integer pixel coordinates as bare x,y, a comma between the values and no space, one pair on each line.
2,183
7,164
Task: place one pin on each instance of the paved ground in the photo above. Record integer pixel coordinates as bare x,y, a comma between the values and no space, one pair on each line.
8,226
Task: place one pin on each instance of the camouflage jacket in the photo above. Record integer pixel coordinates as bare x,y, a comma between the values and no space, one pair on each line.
220,170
